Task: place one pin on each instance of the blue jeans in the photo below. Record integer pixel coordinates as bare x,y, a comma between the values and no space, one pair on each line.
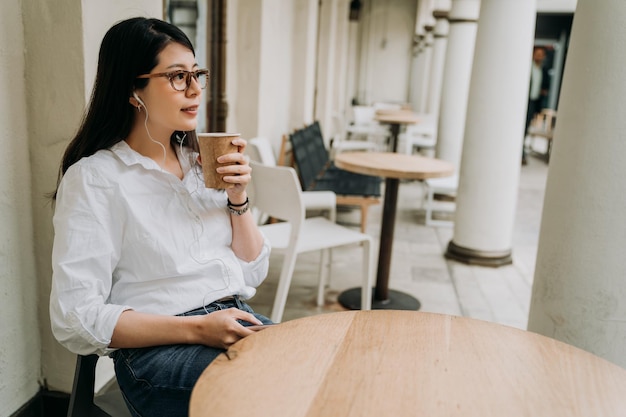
157,381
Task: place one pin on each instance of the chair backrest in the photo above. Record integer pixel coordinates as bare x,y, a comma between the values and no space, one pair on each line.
427,126
381,105
260,150
81,399
309,153
363,115
277,193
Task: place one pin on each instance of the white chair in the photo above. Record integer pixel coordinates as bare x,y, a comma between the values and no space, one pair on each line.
365,126
542,126
341,141
422,136
260,149
277,192
444,185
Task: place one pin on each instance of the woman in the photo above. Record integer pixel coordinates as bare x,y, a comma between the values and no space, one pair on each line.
143,252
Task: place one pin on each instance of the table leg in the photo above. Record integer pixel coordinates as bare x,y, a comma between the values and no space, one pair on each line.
383,297
395,132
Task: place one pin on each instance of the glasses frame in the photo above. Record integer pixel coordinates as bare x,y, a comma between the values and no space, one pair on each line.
188,75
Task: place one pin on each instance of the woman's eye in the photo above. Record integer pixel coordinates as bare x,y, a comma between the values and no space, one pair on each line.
180,76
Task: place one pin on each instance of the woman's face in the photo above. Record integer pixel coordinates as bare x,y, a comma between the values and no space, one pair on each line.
170,110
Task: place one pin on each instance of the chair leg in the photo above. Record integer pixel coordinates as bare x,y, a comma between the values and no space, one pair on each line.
324,275
364,212
366,286
283,288
81,399
430,196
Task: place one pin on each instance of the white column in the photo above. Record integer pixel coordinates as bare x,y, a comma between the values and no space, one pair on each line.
463,17
260,66
579,285
421,56
440,42
416,65
326,63
490,163
424,67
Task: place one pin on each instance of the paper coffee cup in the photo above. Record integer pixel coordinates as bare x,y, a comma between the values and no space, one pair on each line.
212,146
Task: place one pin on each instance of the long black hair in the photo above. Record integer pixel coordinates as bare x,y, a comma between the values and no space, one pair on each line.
129,48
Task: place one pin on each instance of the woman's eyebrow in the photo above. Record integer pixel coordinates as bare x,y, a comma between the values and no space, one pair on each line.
181,66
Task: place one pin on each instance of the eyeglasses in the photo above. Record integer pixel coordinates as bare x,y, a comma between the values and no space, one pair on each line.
181,79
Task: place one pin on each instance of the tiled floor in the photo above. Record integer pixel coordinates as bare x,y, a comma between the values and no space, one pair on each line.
500,295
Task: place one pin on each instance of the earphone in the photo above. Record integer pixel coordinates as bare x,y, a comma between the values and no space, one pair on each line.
138,99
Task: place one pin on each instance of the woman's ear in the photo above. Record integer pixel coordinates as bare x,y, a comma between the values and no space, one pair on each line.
135,101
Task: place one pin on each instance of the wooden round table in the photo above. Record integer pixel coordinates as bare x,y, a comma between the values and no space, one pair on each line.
393,167
395,119
401,363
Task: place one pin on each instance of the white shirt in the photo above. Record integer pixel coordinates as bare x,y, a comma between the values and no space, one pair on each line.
129,235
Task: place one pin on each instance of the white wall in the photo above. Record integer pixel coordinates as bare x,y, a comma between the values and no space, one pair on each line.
61,41
20,345
387,28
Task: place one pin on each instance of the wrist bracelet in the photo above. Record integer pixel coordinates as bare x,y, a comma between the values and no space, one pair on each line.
238,209
230,204
239,212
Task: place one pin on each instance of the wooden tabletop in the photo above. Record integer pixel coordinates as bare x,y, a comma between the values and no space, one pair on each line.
393,165
397,117
401,363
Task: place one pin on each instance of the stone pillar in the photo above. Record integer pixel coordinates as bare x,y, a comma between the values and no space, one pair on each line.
462,17
490,163
579,286
415,70
440,41
424,67
260,62
422,52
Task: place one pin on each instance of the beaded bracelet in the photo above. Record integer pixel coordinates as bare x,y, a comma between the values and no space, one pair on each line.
237,205
238,209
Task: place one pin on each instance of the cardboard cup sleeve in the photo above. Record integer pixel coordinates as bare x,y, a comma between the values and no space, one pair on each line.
212,146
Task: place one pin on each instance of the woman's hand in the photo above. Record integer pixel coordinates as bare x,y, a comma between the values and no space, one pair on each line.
221,329
237,171
218,329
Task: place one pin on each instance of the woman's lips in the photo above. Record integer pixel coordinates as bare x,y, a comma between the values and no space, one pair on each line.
192,109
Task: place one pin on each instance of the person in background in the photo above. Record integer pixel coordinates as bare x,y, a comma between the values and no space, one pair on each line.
149,265
538,91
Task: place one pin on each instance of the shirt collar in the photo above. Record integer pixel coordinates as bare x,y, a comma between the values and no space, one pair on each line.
131,157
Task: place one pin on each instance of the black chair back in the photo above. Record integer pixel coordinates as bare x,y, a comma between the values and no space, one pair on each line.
318,173
81,399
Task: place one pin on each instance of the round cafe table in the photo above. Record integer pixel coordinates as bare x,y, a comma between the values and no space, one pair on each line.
393,167
405,363
396,119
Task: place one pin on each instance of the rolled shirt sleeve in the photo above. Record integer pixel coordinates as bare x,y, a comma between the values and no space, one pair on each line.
255,272
83,258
